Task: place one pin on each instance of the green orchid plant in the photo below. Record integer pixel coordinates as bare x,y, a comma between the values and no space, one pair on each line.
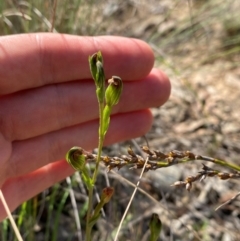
107,97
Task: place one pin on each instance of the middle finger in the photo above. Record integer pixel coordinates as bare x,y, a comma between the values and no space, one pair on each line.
35,112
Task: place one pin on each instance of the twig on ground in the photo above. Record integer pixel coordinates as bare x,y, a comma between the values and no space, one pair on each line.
228,201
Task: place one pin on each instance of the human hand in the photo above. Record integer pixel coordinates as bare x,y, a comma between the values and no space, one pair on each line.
48,104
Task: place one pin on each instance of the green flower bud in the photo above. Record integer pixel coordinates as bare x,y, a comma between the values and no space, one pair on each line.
107,193
97,71
76,158
155,227
113,91
96,64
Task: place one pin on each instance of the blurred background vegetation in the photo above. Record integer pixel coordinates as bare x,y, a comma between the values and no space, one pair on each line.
197,43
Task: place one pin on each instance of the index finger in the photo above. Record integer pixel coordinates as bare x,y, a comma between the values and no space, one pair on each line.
33,60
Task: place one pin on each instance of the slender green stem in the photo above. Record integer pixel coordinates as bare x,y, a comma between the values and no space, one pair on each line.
100,142
201,158
221,162
89,211
60,207
90,191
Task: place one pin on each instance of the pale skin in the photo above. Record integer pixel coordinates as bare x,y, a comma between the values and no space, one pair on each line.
48,104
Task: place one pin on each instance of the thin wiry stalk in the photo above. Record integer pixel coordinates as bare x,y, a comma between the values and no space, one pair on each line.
130,201
14,226
75,209
53,15
228,201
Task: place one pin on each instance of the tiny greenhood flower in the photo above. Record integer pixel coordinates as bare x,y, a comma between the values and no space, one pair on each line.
97,71
113,91
75,158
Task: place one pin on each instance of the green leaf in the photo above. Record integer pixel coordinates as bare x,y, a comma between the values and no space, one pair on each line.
106,119
155,227
94,219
